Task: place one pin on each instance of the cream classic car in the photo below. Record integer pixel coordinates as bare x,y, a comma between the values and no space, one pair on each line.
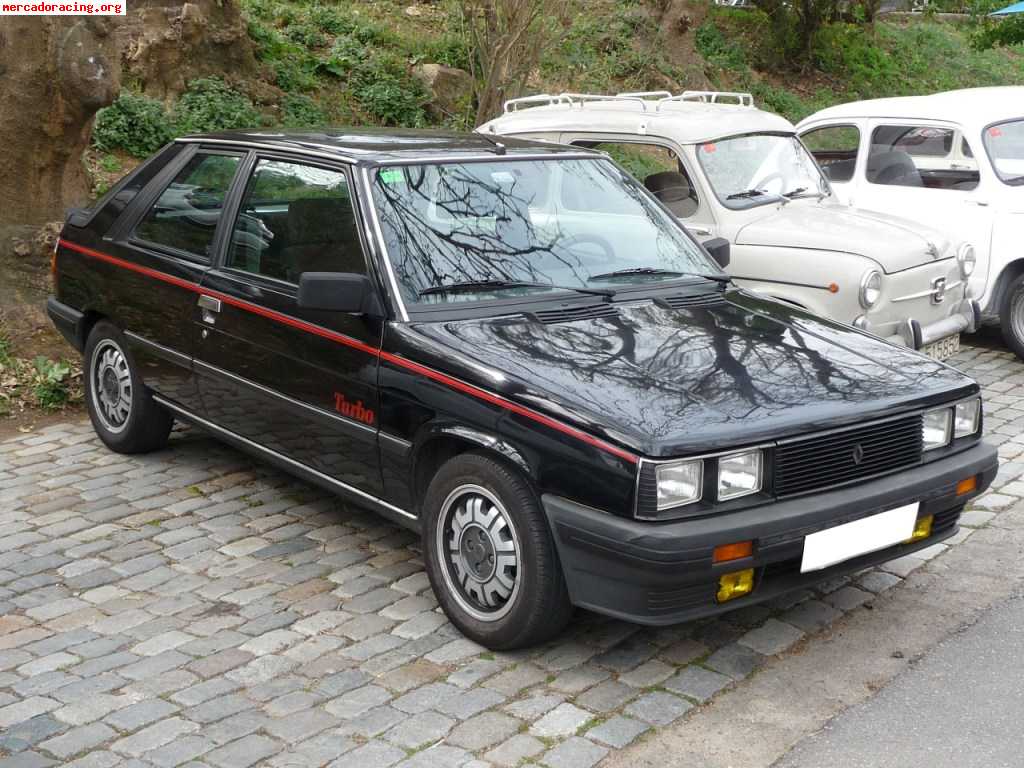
730,170
953,159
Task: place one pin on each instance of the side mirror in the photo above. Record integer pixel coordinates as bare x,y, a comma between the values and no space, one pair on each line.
718,249
339,292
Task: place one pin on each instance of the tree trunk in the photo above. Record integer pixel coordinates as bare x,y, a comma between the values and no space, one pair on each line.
55,73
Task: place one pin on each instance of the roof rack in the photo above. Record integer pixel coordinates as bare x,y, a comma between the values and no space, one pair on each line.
715,97
548,99
641,98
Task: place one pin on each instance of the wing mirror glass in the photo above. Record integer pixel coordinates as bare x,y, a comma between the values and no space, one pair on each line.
339,292
718,249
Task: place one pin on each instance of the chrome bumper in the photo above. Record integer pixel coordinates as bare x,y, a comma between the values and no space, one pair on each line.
967,319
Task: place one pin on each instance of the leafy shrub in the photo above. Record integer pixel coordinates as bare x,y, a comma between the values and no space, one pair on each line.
136,124
50,385
302,112
393,100
851,52
450,50
211,105
713,45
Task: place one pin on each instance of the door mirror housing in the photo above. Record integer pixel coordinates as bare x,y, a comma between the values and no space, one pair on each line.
339,292
718,249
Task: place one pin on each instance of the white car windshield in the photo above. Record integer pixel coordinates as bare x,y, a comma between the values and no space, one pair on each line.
760,168
477,231
1005,145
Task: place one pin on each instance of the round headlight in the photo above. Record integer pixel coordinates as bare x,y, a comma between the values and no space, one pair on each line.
870,288
967,259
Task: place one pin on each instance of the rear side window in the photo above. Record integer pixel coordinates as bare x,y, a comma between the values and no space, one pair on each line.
295,218
835,148
918,156
185,216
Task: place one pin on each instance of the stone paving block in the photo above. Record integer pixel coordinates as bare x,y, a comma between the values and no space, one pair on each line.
878,581
617,732
515,751
154,736
180,751
373,754
848,598
658,708
469,703
356,702
372,723
811,615
574,753
697,683
563,720
143,713
247,751
735,660
419,730
606,696
427,697
483,731
78,740
26,709
772,637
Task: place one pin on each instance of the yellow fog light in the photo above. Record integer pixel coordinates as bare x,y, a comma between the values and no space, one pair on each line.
922,529
735,584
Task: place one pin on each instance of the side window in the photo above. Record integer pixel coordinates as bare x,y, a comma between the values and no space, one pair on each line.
295,218
917,156
835,148
660,171
185,215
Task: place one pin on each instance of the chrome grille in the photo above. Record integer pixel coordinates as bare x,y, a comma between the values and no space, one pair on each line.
809,463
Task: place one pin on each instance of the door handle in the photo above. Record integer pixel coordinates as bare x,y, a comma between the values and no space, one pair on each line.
209,303
210,307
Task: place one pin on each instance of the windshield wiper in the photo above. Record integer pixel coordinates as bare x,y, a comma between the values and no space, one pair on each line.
488,285
746,193
658,271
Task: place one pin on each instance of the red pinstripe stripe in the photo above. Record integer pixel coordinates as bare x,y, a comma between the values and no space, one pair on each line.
348,341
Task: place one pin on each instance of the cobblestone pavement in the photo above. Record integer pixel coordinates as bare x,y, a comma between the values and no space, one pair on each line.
193,606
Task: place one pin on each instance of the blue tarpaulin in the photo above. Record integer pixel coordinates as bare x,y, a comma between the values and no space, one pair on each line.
1015,8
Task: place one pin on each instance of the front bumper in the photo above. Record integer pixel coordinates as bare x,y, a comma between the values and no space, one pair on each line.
662,573
912,333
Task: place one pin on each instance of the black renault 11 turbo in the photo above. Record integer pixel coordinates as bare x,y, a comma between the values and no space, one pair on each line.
514,349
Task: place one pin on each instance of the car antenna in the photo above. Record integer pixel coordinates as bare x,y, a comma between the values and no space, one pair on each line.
499,148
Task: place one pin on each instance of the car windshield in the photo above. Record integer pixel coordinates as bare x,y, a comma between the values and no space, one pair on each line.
476,231
760,168
1005,145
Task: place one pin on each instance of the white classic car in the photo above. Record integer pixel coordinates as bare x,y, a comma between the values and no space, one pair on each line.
953,159
727,169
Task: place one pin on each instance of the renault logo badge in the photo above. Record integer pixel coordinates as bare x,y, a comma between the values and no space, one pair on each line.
858,454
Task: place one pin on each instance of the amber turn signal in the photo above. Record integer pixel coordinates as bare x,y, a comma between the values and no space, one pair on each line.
922,529
967,485
736,551
735,584
833,288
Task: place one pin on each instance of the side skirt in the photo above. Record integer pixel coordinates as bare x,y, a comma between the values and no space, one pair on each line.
381,507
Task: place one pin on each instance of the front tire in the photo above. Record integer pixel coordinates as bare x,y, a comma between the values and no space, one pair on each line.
1011,317
490,556
123,412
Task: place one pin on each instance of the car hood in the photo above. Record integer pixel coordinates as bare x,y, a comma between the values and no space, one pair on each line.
730,370
893,242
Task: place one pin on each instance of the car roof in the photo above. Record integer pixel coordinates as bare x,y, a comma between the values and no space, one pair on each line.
687,122
974,108
382,145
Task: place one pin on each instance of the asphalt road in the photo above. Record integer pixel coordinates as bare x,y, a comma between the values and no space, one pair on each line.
961,706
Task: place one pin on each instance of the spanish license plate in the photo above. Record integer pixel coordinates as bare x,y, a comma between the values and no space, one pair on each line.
943,348
870,534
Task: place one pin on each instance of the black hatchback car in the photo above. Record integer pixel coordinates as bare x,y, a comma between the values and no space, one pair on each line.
517,351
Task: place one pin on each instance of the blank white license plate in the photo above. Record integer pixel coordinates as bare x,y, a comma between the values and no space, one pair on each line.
870,534
943,348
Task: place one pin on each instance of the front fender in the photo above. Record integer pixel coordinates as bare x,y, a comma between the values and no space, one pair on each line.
481,438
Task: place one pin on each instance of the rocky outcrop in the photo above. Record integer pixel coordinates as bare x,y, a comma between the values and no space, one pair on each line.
450,89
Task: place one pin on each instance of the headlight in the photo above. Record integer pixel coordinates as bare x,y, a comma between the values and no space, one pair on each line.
935,430
679,483
968,418
739,474
967,259
870,288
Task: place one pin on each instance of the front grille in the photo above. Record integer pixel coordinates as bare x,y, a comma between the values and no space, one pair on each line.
826,460
568,314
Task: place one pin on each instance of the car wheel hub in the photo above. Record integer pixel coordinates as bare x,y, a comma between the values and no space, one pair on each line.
112,386
478,541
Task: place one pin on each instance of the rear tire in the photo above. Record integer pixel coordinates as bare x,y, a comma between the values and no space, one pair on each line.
123,412
1011,317
490,556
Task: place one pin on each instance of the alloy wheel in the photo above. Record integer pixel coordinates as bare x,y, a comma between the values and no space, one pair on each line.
111,385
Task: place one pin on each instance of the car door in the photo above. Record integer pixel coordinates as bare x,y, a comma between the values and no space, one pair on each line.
926,171
300,383
662,168
165,241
